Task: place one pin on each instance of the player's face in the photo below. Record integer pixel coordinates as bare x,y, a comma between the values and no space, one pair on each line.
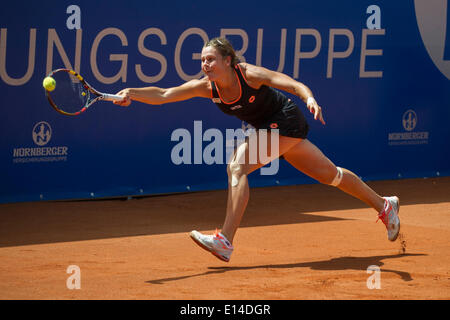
214,66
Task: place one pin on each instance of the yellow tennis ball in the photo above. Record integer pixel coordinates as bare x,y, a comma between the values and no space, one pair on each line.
49,84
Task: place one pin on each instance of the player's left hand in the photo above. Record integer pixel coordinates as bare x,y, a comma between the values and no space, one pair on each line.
315,109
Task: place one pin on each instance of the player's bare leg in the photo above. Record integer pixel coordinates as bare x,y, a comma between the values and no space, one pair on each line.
245,160
238,189
307,158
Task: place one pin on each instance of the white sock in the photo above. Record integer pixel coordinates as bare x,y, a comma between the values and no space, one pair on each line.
386,206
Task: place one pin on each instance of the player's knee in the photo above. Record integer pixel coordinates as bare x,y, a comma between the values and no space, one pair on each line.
237,168
235,171
336,181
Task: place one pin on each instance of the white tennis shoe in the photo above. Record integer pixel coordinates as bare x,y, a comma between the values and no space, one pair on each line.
217,244
390,218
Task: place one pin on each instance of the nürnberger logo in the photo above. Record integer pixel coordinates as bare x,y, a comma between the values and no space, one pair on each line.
409,120
409,136
432,17
42,133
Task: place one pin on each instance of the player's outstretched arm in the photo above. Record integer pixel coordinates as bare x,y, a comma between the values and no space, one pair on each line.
157,96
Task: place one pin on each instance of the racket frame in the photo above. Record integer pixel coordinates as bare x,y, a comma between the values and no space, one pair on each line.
98,95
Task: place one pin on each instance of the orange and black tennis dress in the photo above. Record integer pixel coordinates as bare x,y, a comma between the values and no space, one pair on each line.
263,108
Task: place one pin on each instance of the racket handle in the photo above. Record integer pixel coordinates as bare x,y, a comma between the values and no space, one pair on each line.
111,97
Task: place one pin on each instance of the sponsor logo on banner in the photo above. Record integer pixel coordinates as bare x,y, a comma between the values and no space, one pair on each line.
42,150
432,19
409,136
42,133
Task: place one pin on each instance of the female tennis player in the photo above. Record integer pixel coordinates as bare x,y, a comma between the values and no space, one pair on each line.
251,93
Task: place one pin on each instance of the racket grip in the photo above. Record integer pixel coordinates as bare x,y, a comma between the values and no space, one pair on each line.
112,97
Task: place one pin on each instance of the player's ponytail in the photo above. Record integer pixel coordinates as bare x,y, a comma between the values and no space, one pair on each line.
225,49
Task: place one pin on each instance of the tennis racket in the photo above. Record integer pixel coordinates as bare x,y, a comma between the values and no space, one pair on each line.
72,94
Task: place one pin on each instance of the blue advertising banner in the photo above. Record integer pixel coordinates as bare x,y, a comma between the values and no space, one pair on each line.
379,69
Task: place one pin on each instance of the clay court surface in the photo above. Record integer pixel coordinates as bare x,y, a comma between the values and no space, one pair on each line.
295,242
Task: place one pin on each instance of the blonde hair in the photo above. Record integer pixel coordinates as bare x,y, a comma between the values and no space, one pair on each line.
225,49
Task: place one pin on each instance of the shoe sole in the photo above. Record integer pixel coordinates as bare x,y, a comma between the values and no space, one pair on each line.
398,212
201,245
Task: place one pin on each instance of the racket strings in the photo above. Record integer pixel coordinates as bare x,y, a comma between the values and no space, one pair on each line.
69,95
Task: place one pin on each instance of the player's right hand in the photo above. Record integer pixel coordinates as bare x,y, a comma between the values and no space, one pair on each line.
125,93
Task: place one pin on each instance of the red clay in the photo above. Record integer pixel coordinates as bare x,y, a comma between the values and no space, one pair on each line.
296,242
